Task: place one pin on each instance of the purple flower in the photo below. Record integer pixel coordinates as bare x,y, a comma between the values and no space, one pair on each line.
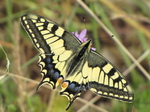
81,36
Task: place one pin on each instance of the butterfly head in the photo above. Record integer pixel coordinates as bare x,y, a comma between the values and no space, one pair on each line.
83,50
86,45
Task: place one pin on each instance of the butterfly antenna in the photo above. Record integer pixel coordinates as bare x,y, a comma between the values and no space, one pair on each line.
84,20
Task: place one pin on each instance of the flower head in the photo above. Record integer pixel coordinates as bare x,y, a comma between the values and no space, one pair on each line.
81,36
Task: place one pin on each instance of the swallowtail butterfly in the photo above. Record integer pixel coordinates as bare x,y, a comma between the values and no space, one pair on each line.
66,61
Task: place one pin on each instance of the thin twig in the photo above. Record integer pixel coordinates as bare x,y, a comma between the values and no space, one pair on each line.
92,105
16,66
51,101
141,58
87,104
23,78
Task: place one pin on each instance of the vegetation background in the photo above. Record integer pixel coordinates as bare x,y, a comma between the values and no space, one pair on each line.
129,50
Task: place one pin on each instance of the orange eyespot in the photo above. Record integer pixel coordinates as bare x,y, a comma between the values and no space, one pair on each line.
60,80
65,84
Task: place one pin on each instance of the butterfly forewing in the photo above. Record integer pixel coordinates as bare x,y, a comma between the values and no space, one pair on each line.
48,35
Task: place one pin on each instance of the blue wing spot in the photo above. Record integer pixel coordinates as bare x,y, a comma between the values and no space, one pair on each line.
49,66
56,75
48,60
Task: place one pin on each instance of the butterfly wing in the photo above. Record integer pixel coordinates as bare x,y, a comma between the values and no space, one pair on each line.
55,44
104,79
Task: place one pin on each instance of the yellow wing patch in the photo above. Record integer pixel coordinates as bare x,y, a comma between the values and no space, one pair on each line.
59,32
50,40
65,55
57,44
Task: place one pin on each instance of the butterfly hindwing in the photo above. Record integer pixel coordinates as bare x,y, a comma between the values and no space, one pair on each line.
51,75
106,80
